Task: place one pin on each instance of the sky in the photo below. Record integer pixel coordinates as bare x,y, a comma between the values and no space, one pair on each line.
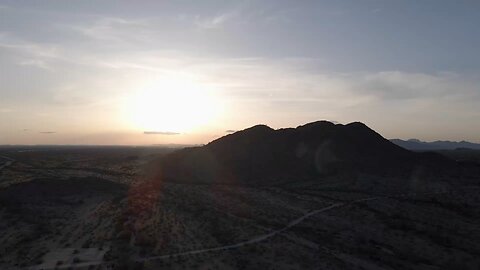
155,72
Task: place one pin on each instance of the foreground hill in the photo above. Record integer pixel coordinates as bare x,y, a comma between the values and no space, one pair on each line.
100,208
262,155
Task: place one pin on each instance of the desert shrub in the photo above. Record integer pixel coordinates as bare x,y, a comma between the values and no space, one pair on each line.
123,235
144,240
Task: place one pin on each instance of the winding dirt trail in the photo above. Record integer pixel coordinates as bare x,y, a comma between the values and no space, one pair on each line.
247,242
226,247
258,238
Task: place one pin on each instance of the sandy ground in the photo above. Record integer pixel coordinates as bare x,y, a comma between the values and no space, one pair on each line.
71,257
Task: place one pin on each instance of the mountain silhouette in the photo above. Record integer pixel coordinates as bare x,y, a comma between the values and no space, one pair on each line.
417,145
261,155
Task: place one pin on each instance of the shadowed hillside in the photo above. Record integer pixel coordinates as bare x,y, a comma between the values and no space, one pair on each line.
261,155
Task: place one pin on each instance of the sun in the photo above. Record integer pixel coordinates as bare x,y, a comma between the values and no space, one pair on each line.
172,104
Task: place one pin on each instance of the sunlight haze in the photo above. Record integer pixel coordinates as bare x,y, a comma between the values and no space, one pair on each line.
158,72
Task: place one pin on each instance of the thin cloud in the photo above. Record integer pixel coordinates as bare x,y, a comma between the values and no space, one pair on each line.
47,132
114,29
37,50
31,53
216,21
35,63
230,131
160,133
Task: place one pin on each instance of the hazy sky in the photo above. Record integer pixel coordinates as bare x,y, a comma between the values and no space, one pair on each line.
143,72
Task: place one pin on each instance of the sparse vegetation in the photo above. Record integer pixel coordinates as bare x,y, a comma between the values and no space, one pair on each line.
121,221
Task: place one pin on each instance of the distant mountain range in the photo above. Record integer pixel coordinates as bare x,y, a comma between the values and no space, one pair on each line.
262,155
417,145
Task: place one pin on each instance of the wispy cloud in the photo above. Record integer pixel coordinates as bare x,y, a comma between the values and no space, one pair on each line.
30,53
47,132
36,63
114,29
230,131
160,133
34,48
397,85
215,22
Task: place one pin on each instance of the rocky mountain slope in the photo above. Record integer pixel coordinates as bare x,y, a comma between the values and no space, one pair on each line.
261,155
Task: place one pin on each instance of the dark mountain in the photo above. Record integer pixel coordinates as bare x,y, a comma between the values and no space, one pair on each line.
261,155
417,145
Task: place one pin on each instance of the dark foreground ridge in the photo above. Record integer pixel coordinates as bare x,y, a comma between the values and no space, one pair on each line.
261,155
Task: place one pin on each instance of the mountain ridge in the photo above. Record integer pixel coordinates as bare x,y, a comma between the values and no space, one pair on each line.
262,155
418,145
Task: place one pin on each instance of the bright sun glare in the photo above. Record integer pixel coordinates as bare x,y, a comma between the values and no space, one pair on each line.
173,104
